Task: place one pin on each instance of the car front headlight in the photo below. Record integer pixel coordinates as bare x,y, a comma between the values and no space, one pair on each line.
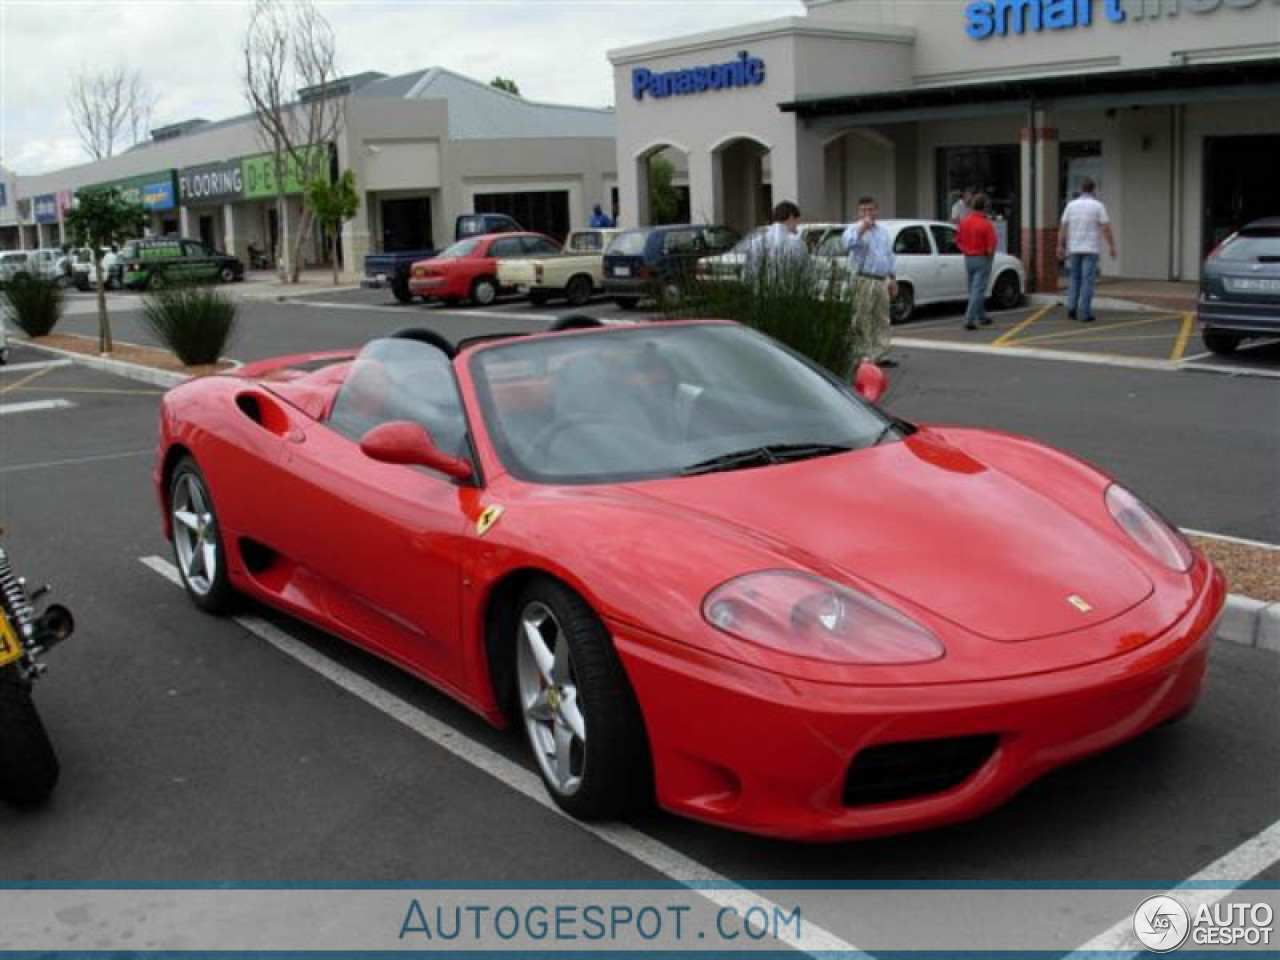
1148,530
808,616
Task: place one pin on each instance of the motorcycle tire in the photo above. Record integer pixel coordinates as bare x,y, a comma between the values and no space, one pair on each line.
28,765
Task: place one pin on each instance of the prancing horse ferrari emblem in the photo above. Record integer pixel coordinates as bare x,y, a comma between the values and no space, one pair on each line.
488,518
1080,603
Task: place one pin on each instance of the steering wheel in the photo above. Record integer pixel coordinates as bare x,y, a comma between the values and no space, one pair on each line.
576,421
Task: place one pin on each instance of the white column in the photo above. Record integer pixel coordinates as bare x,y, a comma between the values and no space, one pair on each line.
184,222
702,187
229,232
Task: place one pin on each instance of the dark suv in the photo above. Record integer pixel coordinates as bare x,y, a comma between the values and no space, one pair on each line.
1240,287
659,261
156,261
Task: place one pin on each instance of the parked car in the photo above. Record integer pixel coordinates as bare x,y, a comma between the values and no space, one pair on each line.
575,274
154,262
392,269
659,261
29,263
930,268
1240,287
86,271
469,268
4,343
13,264
729,265
685,561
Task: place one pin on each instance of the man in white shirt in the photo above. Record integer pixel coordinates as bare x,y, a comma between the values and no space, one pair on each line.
1084,226
964,205
778,248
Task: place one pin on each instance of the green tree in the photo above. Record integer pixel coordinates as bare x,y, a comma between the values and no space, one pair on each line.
505,83
333,201
101,216
664,200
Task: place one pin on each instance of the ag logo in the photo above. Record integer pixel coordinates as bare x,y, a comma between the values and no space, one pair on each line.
1161,924
488,518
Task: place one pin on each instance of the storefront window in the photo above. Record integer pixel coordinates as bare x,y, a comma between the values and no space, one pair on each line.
993,170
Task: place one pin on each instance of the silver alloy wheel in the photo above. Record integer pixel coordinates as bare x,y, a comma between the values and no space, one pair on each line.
194,534
549,699
486,292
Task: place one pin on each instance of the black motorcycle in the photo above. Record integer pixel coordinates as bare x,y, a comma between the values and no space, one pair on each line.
28,764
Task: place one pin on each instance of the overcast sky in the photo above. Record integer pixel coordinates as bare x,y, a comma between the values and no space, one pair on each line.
189,50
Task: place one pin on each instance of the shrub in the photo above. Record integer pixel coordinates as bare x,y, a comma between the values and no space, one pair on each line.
805,305
195,322
35,304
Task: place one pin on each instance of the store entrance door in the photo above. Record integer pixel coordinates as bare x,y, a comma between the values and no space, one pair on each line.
406,224
994,170
1240,183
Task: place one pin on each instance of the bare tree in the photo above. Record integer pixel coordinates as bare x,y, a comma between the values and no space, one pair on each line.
290,65
110,108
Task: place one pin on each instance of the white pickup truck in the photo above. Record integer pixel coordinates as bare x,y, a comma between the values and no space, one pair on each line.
575,274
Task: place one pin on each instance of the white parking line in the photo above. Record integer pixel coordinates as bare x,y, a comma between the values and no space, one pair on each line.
75,461
57,403
1224,875
34,365
652,853
1262,544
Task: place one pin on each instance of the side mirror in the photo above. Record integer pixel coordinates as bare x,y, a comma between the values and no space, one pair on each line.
408,443
870,381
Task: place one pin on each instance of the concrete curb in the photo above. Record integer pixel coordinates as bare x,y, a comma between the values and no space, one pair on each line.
1251,623
121,368
1100,303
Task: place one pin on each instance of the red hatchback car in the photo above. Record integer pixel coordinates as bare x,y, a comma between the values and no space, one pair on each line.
468,270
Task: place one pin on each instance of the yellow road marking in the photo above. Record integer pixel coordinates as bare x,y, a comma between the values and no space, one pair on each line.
1088,330
1179,348
35,375
1008,335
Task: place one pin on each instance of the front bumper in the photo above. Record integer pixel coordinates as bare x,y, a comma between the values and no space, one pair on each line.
748,749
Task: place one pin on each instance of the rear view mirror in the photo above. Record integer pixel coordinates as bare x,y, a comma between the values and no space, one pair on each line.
402,441
870,381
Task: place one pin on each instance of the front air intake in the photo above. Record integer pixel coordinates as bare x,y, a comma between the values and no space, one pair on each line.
891,772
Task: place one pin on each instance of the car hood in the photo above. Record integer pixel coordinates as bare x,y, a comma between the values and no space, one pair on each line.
925,521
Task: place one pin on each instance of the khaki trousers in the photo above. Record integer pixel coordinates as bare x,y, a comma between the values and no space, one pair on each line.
871,339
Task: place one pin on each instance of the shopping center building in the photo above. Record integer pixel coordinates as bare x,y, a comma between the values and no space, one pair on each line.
1171,106
426,147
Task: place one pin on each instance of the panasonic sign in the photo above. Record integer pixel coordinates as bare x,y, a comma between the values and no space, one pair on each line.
999,18
745,71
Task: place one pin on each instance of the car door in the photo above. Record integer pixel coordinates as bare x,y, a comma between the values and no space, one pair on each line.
198,262
915,262
953,281
505,248
387,541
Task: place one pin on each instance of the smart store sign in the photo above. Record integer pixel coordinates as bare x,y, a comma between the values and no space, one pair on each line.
999,18
744,71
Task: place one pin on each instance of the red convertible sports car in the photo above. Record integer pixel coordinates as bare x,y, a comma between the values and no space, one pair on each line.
694,567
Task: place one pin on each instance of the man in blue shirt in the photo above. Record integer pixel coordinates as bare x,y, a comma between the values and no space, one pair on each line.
871,275
600,219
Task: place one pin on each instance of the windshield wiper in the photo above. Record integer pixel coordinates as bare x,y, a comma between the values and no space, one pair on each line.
763,455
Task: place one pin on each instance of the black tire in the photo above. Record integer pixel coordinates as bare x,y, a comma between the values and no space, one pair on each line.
617,772
1223,344
28,764
579,290
219,597
227,275
903,306
400,289
539,297
1007,292
484,290
626,303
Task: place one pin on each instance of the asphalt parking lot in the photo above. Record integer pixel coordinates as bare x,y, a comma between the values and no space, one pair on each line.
196,750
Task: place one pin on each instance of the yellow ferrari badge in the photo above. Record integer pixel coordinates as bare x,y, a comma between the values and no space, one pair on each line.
488,518
1080,603
10,648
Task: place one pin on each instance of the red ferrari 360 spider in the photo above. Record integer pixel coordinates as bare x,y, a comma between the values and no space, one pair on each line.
693,566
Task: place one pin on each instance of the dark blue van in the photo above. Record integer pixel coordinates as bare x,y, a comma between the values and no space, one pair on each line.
642,263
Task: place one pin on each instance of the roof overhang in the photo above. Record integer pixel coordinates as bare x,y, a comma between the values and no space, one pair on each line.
1181,83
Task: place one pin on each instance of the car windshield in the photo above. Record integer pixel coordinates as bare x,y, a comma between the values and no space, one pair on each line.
629,244
13,258
463,248
1260,244
660,402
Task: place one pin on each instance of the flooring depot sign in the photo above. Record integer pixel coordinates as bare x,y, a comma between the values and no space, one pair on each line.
211,183
244,178
999,18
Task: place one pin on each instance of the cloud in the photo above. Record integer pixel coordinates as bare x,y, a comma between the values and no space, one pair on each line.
190,51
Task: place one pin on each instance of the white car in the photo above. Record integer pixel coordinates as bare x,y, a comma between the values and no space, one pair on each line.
86,271
30,263
930,268
729,265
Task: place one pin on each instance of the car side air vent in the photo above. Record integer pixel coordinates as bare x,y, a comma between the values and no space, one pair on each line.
263,411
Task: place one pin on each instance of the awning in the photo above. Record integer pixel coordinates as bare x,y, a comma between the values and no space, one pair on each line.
1161,85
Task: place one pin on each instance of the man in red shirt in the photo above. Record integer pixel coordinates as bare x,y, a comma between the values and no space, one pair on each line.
976,238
